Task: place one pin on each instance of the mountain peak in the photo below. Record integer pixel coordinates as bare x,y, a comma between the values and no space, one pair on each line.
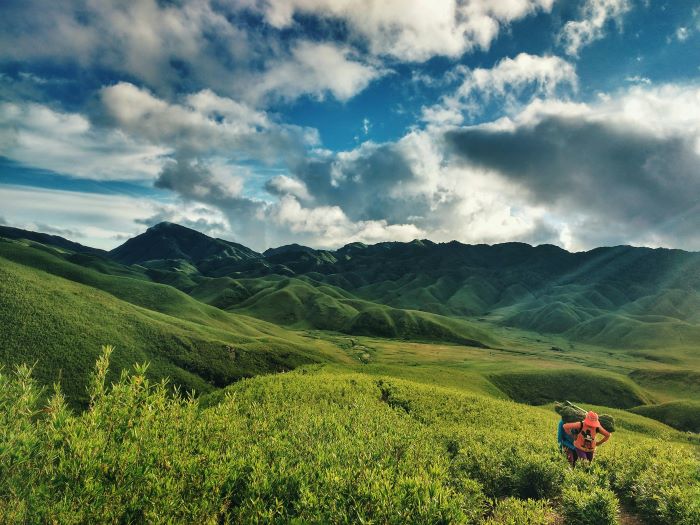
167,240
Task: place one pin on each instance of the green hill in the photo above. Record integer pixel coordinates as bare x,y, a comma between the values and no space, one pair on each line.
172,241
57,316
303,303
682,414
539,387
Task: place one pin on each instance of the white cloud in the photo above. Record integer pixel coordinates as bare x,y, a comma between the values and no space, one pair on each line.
171,46
314,69
411,31
622,169
509,79
544,73
98,218
682,34
284,185
329,227
595,15
68,143
636,79
204,123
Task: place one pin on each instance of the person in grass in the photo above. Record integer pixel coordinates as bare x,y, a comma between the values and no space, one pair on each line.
585,441
566,444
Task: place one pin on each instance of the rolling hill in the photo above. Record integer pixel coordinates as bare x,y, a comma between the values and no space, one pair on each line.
375,383
56,314
207,299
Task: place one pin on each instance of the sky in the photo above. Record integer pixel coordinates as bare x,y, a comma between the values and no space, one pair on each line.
325,122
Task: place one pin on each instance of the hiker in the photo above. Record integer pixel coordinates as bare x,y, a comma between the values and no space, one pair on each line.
585,442
566,444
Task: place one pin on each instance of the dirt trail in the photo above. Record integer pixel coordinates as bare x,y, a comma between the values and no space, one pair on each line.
626,518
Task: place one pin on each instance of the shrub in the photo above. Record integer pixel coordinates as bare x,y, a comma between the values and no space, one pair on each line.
513,511
592,506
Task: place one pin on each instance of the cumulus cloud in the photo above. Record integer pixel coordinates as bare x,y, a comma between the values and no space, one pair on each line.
37,135
624,169
410,31
410,182
594,18
175,46
283,185
203,123
509,80
314,69
329,226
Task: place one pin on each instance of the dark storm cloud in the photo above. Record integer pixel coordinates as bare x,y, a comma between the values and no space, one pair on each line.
634,179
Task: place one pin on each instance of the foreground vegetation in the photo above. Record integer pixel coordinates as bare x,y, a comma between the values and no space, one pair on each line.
320,445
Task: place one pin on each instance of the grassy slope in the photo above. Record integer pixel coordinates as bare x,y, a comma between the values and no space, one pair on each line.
320,445
681,414
538,387
59,324
302,303
415,426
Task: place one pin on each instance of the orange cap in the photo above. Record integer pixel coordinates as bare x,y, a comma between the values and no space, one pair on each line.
592,420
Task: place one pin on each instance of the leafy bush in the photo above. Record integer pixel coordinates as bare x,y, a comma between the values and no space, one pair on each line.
312,446
592,506
513,511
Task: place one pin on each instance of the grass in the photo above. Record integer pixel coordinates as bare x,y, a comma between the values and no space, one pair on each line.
58,324
318,445
539,387
303,303
384,414
681,414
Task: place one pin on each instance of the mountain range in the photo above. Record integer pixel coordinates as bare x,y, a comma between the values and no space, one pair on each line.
206,311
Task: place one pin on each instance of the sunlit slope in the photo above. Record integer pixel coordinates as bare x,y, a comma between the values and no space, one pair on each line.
304,303
325,446
58,325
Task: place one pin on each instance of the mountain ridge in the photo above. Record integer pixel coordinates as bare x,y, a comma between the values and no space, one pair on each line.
614,296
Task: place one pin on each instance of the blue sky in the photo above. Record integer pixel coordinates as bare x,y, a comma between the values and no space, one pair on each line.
325,122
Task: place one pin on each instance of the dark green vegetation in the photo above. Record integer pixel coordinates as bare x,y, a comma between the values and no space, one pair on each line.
405,361
539,387
681,414
56,314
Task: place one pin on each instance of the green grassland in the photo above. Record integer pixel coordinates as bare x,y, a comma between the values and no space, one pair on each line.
58,323
325,445
415,397
303,303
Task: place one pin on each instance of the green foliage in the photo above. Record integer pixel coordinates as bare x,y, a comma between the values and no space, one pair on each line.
662,482
591,506
310,446
513,511
57,324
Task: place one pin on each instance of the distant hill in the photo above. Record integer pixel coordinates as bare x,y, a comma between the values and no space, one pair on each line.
50,240
619,296
172,241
